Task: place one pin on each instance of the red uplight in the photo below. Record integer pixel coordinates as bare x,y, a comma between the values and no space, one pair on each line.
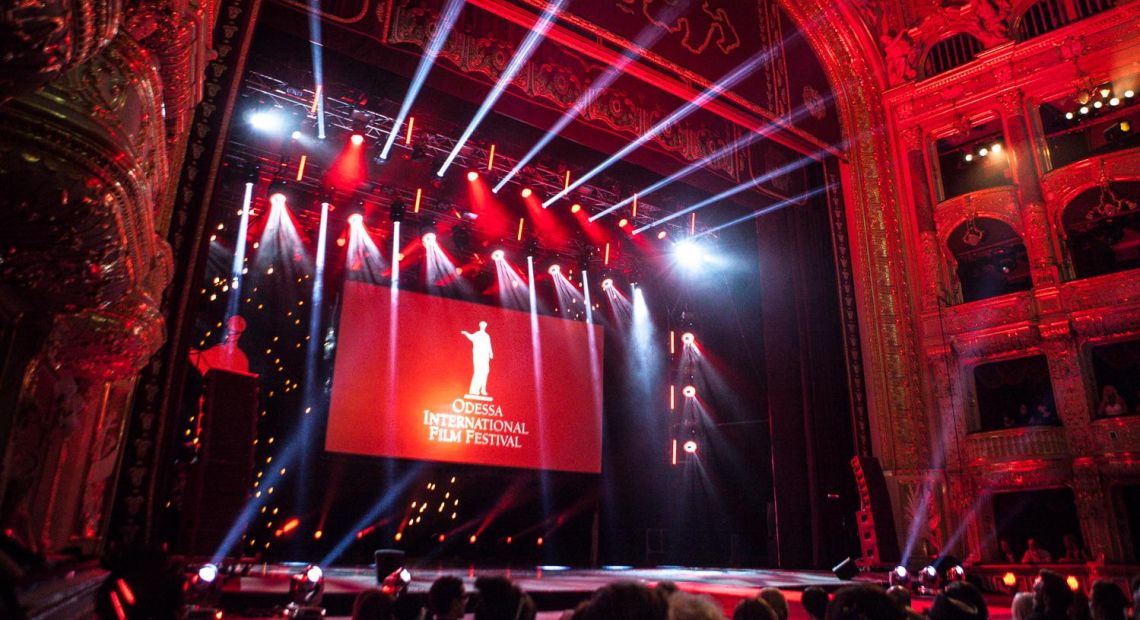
622,223
539,541
526,192
1009,579
574,208
1073,583
442,538
357,139
472,176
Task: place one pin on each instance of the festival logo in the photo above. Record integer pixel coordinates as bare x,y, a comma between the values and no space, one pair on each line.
474,418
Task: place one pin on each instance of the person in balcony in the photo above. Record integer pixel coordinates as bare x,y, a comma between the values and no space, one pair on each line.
1036,554
1005,551
1073,551
1111,404
1044,416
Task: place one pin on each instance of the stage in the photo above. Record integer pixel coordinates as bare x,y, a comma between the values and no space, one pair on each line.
553,588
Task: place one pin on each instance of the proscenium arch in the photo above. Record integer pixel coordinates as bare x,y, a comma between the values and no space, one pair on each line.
884,291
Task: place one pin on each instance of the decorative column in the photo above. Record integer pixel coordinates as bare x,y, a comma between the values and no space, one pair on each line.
918,174
1020,151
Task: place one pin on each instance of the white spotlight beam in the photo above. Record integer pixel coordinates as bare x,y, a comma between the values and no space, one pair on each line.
234,301
732,191
644,39
712,92
438,38
745,141
522,54
759,212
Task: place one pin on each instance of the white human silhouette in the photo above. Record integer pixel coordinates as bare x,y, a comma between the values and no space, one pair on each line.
481,356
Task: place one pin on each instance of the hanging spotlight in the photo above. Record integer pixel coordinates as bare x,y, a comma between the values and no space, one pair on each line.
690,447
472,176
526,192
689,391
498,255
429,239
554,270
397,210
607,284
356,219
622,223
574,208
688,338
662,234
269,121
689,254
296,134
357,139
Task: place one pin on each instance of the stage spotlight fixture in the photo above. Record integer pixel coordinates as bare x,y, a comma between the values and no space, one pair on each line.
356,219
472,176
305,591
688,338
296,134
689,391
900,576
397,210
930,579
357,139
1009,579
689,253
957,573
662,234
554,270
397,582
690,447
267,120
498,255
526,192
203,590
1073,583
574,208
607,284
429,239
622,223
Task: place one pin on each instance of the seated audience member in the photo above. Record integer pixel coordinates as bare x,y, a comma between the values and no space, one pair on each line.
862,603
1073,551
1051,597
1108,601
1022,606
1111,404
1023,416
1035,554
1045,416
1079,609
447,599
900,595
628,600
372,604
815,600
946,607
407,608
499,599
776,601
1005,552
969,594
753,609
685,606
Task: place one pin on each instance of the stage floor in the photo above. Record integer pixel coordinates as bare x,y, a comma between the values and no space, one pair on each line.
554,588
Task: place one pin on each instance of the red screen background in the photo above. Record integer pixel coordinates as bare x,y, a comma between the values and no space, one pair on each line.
549,419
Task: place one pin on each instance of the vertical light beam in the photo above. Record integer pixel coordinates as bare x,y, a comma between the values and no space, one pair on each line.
522,54
234,301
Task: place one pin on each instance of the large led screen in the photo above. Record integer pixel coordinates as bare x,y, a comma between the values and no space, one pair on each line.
460,382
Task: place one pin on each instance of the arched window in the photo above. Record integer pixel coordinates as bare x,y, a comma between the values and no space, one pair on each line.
991,259
950,52
1049,15
1102,229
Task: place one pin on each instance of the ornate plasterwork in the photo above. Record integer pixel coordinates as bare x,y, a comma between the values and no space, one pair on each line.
45,38
999,203
1060,186
988,449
